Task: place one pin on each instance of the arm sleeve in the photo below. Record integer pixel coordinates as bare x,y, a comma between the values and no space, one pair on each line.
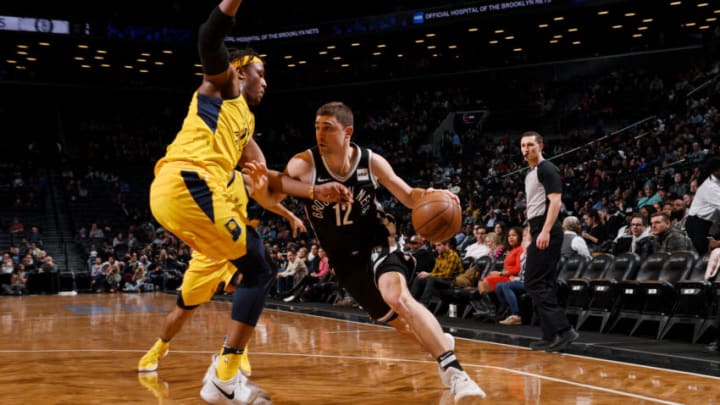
211,42
549,176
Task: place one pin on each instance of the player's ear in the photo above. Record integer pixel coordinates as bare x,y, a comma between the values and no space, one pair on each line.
241,73
348,131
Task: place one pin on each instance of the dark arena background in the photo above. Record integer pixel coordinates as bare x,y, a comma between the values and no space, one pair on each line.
625,94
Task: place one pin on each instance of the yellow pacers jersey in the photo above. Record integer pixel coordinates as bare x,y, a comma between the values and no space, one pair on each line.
213,135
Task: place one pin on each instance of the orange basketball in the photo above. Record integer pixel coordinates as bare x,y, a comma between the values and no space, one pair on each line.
437,217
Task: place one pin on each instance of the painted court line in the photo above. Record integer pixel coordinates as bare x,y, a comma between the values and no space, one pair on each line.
368,358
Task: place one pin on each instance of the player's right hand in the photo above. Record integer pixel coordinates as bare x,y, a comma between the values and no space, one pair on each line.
333,192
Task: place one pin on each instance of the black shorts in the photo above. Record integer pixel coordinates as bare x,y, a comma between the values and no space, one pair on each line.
359,274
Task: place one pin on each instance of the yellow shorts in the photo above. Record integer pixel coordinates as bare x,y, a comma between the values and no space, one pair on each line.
210,215
202,278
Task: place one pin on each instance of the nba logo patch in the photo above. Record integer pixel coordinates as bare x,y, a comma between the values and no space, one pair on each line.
362,175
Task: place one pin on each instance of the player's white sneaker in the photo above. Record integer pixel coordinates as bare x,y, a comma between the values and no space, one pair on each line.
254,388
231,392
461,385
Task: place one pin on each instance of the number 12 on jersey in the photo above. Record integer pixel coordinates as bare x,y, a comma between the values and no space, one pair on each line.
342,214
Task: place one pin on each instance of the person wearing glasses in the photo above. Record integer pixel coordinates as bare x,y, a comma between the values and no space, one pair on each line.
635,239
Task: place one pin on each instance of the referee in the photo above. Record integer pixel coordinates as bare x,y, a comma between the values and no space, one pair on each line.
704,211
544,189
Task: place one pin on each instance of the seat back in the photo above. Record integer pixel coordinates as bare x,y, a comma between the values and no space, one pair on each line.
598,266
484,264
697,274
678,266
652,266
572,267
625,267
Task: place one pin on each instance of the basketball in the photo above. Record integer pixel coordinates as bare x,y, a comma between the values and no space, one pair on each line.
437,217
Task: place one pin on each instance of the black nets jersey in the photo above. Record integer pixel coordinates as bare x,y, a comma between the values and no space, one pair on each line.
347,230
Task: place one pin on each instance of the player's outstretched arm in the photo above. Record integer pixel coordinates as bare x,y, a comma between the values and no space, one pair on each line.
211,46
407,195
281,184
258,190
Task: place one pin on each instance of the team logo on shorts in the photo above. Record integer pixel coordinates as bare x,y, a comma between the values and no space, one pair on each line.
234,228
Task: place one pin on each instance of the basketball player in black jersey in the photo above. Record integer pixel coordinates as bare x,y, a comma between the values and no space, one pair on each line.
367,261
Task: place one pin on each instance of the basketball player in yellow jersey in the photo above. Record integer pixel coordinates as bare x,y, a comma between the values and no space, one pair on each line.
191,197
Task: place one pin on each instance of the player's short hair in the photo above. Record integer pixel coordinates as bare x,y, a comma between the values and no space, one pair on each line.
538,137
339,110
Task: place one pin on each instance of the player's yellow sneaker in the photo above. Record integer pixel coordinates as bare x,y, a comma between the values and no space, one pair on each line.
159,388
245,363
149,362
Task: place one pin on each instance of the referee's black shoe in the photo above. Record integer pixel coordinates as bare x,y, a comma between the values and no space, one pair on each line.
563,340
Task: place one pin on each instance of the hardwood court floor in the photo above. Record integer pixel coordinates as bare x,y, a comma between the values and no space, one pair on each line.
84,349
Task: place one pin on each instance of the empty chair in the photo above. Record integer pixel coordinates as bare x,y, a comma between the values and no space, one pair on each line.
579,291
570,268
693,300
605,292
654,289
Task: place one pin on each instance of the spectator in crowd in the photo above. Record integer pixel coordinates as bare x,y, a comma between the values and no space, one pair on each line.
48,265
665,237
479,248
16,227
636,239
7,265
508,292
495,245
18,280
35,236
650,195
464,238
595,234
573,244
293,273
678,213
447,266
705,209
679,187
424,256
97,274
96,233
511,263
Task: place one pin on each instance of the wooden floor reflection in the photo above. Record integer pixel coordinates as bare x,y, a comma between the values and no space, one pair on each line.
84,350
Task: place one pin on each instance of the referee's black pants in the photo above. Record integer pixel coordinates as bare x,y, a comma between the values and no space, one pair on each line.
698,230
541,282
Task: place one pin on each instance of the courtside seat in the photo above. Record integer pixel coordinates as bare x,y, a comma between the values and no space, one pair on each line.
605,292
579,288
570,268
694,300
466,297
654,290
